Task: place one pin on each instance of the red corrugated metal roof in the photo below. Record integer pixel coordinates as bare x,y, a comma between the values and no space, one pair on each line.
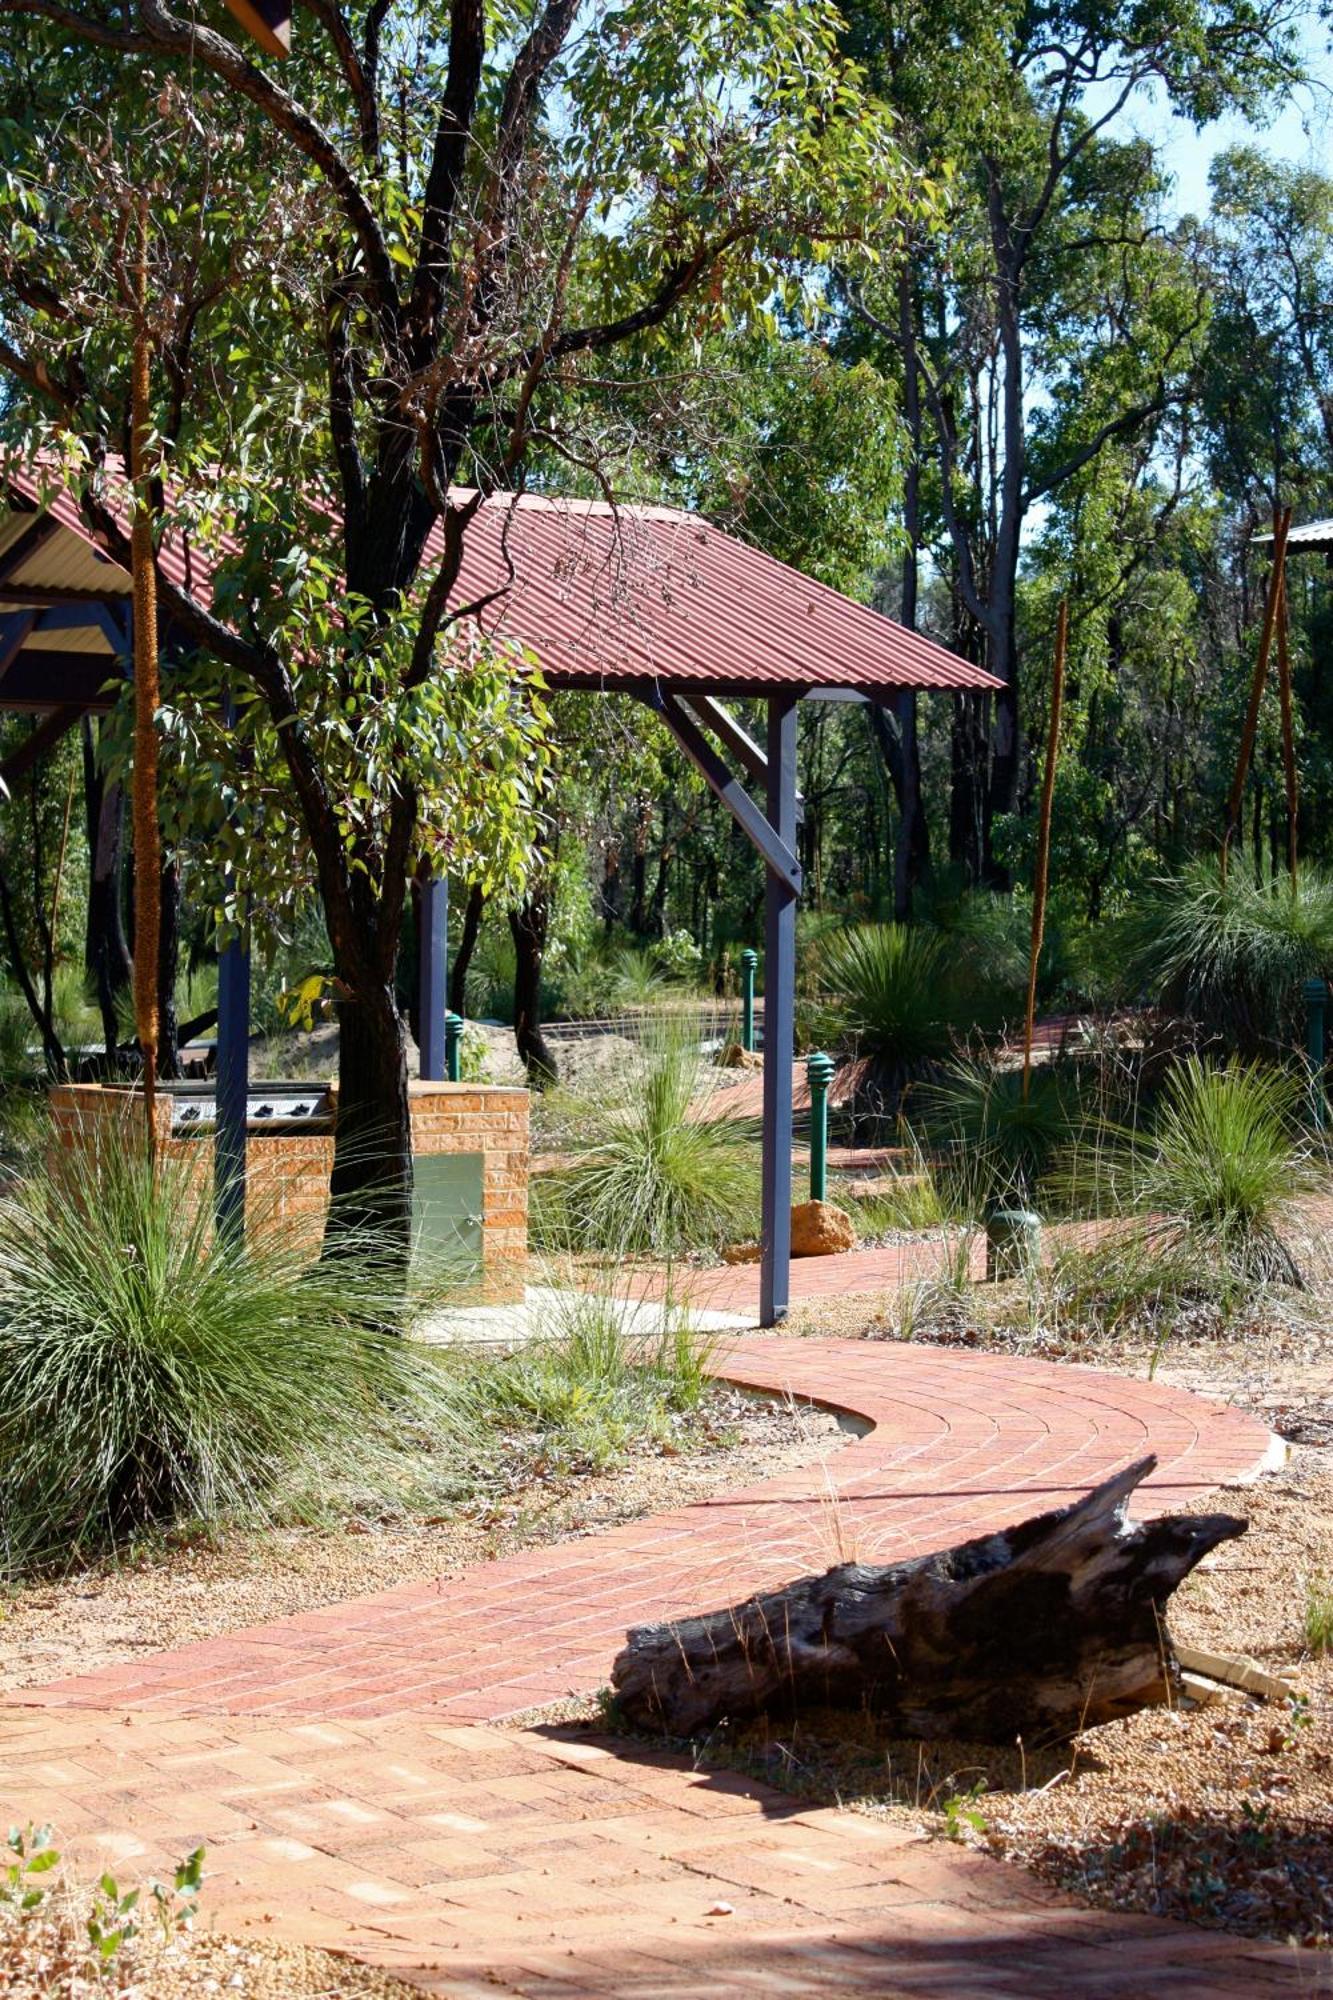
607,595
611,596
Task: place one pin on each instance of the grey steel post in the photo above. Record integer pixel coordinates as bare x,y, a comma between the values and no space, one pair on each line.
432,977
233,1076
779,1016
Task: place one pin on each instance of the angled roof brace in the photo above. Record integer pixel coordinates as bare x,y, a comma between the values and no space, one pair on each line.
14,629
723,782
715,715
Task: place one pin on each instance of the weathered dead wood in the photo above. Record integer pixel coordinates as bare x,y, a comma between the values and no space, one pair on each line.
1037,1631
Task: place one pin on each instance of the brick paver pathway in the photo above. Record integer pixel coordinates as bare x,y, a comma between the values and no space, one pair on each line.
338,1771
734,1288
483,1862
961,1444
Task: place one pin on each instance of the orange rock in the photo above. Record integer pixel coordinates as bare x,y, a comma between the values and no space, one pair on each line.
741,1253
821,1229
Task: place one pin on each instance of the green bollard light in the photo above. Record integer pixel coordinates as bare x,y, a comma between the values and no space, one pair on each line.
453,1047
749,966
1316,1005
820,1069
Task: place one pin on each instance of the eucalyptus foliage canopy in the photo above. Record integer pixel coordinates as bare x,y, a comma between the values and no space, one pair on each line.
377,275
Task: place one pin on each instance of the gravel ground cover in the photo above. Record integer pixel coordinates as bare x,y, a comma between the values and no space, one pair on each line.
192,1587
44,1956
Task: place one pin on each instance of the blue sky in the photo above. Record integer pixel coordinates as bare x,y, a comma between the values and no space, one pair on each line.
1302,134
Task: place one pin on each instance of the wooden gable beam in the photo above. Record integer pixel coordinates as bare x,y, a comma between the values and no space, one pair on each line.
268,22
39,530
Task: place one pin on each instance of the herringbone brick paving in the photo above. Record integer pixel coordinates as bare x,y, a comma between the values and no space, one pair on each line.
334,1768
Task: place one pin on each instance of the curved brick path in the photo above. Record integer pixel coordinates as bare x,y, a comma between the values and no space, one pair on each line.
331,1766
962,1443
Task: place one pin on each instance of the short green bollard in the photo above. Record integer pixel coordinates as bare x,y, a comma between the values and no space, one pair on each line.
1013,1243
819,1068
1316,1006
453,1047
749,966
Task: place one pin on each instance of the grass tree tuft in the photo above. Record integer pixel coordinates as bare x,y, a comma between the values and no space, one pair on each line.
655,1174
1215,1176
152,1371
1232,955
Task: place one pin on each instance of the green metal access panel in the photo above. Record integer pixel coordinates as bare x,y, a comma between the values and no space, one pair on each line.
447,1207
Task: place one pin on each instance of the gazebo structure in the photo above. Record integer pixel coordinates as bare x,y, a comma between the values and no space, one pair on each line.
1316,536
643,601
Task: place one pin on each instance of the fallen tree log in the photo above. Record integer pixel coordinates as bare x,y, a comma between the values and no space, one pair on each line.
1038,1631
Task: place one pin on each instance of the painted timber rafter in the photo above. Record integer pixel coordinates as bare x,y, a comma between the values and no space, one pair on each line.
775,852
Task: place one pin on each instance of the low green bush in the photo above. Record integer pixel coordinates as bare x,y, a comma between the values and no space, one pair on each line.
591,1386
653,1174
153,1371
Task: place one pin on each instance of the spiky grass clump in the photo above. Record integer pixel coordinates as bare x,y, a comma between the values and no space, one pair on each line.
904,1202
888,986
1318,1621
152,1371
1002,1144
1217,1174
1232,955
636,978
894,994
658,1174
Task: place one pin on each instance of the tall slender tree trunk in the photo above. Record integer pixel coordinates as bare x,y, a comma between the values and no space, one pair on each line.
467,945
1001,792
967,773
147,833
612,891
638,914
106,951
911,857
529,924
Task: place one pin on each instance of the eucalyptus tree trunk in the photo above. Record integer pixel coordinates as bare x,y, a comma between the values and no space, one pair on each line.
370,1192
106,950
467,945
529,923
911,858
